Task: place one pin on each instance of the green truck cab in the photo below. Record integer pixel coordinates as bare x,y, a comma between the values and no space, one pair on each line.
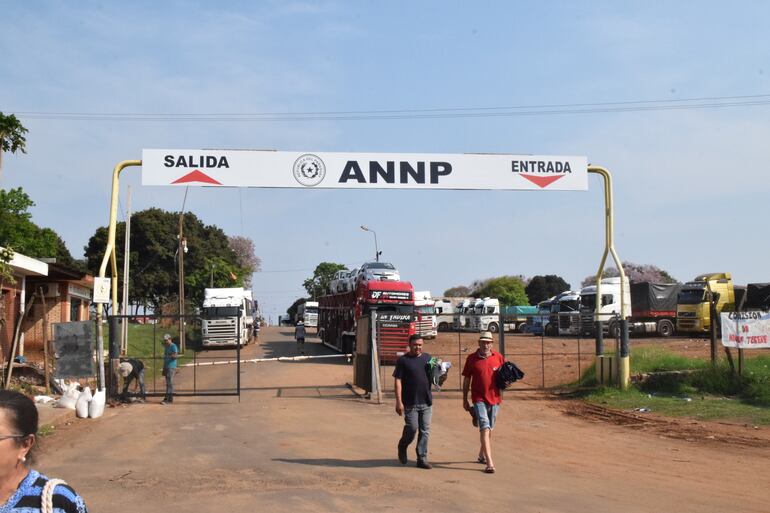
692,307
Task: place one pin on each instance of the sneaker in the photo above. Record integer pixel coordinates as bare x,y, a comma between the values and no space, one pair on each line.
424,464
402,455
163,402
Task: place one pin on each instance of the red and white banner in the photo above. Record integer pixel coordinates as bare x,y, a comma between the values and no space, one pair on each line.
746,330
319,170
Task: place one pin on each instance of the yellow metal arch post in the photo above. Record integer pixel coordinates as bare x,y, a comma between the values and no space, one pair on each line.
624,362
109,253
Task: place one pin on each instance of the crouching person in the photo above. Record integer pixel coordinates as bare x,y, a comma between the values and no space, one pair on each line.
132,370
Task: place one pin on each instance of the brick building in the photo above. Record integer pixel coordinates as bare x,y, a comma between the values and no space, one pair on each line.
66,296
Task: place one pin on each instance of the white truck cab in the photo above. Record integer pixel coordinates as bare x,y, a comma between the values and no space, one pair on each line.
609,311
425,307
227,318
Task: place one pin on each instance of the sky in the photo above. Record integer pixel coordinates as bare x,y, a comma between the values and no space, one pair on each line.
690,184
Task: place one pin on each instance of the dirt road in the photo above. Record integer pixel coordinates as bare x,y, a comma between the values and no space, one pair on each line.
300,441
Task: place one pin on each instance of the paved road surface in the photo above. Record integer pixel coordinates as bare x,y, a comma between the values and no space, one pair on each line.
300,441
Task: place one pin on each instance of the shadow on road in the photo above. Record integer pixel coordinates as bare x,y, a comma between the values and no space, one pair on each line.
336,462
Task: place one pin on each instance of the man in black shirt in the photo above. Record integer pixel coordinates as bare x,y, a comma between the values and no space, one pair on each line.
414,400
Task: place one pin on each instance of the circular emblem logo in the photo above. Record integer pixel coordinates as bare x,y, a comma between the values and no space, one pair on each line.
309,170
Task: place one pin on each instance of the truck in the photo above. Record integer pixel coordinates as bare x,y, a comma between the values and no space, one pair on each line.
462,320
653,308
307,312
425,310
338,316
693,313
515,317
226,317
539,322
447,309
566,308
609,311
757,297
489,320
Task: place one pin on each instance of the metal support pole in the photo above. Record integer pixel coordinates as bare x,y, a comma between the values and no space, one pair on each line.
609,248
109,254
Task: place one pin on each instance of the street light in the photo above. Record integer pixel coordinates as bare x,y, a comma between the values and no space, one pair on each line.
377,252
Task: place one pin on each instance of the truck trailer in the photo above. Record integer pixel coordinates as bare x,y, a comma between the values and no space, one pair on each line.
653,308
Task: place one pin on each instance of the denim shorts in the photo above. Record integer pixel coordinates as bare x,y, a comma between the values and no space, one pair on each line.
486,414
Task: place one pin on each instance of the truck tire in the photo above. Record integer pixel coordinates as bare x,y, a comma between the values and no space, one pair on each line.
665,328
442,326
550,330
613,329
493,327
521,327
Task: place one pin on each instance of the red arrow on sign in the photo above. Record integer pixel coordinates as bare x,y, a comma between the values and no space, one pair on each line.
541,181
196,176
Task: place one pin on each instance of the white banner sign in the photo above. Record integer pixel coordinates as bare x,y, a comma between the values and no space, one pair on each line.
101,290
746,330
243,168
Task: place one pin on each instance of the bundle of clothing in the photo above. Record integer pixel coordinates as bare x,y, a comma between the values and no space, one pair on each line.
438,370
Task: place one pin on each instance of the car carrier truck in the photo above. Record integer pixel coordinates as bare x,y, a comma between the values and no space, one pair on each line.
338,316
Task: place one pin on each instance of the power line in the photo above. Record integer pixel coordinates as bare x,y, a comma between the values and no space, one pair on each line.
433,113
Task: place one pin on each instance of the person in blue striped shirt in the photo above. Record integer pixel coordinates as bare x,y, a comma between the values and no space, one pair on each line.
23,489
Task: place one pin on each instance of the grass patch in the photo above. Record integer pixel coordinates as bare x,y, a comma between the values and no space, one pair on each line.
704,392
45,430
145,342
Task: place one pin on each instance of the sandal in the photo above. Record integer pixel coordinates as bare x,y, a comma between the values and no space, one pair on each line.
481,460
489,470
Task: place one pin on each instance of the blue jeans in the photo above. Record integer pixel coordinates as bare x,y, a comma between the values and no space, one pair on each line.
170,371
486,414
417,419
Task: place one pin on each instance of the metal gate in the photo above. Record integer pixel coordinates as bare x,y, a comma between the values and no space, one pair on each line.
198,369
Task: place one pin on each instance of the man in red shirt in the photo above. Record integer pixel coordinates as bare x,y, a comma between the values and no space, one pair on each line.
479,379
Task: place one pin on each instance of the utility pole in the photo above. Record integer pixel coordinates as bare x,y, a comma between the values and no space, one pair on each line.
181,250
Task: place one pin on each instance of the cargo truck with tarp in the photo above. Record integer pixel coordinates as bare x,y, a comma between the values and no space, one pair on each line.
757,297
338,316
515,317
653,308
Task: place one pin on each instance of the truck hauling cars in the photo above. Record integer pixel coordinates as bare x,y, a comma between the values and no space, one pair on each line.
340,313
226,317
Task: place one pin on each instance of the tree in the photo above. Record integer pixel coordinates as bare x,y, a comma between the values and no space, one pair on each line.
17,230
154,272
11,136
508,289
541,288
245,257
318,284
458,291
636,273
